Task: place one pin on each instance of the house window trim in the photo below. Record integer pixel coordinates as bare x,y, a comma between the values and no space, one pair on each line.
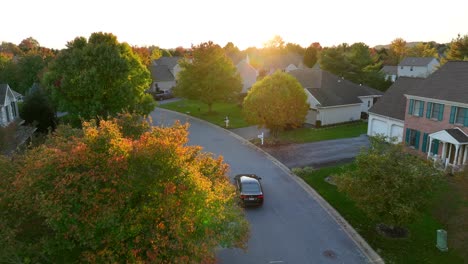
465,112
440,113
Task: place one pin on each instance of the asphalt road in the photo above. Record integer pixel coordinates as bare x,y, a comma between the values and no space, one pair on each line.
291,227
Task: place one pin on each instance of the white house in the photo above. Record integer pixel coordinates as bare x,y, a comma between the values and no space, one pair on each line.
417,66
390,72
333,99
164,73
387,116
248,74
8,105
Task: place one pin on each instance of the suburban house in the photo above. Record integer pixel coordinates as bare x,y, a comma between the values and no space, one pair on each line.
8,105
436,116
248,74
387,116
390,72
164,73
333,99
417,67
285,62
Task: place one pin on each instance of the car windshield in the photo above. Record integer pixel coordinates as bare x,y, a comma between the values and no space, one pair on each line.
251,187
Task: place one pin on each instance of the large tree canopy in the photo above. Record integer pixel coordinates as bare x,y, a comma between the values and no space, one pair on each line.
209,76
390,185
120,192
99,77
458,48
276,102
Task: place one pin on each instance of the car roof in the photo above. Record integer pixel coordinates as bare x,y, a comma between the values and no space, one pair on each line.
246,178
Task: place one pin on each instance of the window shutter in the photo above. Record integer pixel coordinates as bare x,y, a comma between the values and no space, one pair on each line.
453,110
416,143
421,108
407,135
429,109
424,143
465,121
411,105
441,112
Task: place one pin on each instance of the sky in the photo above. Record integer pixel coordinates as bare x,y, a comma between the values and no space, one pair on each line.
246,23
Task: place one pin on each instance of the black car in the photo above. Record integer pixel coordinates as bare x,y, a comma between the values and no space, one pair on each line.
162,95
250,189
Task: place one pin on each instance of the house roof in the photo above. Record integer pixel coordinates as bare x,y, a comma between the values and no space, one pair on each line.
331,90
390,70
243,67
161,73
416,61
458,135
393,102
6,91
171,62
282,61
449,83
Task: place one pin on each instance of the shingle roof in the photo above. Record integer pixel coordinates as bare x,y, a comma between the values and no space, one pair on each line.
331,90
171,62
390,70
416,61
161,73
393,102
449,83
282,61
458,135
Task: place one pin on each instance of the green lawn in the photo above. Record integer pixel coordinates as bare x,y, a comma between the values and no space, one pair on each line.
219,112
419,247
302,135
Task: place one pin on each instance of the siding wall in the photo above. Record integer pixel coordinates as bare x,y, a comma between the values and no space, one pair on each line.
340,114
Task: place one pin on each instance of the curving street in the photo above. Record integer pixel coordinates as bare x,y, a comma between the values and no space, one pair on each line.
292,226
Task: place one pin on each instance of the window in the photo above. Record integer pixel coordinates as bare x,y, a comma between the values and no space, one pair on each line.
7,111
416,107
411,69
461,116
412,138
435,111
368,104
13,109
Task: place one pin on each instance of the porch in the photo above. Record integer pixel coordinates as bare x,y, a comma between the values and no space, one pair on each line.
454,153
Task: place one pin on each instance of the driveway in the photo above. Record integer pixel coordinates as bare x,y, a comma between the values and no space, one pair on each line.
294,225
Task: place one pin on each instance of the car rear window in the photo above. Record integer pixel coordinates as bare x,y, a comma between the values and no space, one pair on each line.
251,187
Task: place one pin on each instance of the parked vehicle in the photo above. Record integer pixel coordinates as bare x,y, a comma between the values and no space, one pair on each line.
162,95
249,189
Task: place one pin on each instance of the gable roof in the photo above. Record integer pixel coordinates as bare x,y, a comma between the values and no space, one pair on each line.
458,135
331,90
449,83
390,70
5,92
170,62
416,61
161,73
393,102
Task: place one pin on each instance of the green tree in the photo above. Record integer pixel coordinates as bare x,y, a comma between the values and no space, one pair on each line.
334,60
423,50
311,54
458,48
38,109
390,185
276,102
99,77
210,76
232,52
294,48
109,193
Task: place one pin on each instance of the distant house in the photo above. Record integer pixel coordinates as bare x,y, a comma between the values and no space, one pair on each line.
248,74
390,72
436,117
8,105
417,67
164,73
284,62
333,99
387,116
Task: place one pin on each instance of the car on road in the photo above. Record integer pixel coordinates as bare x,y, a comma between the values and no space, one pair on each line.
162,95
249,189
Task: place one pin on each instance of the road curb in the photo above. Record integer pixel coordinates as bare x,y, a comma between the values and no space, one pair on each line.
362,244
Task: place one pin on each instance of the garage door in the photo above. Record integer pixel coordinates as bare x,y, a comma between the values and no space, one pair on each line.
378,127
397,131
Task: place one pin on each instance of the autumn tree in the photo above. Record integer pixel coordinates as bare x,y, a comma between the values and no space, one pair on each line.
276,102
423,50
143,53
390,185
458,48
210,76
311,54
29,44
397,50
121,191
99,77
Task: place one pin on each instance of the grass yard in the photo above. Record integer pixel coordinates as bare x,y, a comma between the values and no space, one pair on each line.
419,247
303,135
219,112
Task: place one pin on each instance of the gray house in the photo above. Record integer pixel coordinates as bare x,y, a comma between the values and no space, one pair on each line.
164,73
8,105
333,99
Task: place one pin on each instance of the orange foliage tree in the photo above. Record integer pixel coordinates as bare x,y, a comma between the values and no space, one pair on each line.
120,191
